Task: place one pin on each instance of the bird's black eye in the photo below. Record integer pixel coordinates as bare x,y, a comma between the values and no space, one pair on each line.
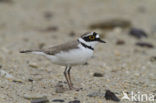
91,37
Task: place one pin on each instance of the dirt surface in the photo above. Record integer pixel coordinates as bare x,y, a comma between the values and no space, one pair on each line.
29,24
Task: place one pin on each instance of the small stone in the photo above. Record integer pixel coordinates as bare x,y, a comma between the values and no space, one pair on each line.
154,91
6,1
41,45
98,75
5,74
75,101
117,53
100,101
145,44
9,76
48,15
120,42
86,63
58,100
25,39
59,87
31,96
111,96
50,29
33,65
141,9
72,34
96,94
30,80
111,24
153,59
17,81
137,33
40,100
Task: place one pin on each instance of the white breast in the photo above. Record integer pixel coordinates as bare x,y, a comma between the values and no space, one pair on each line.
72,57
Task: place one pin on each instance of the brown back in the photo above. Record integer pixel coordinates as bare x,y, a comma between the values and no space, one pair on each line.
63,47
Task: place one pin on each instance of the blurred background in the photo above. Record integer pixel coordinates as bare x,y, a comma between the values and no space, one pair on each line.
127,62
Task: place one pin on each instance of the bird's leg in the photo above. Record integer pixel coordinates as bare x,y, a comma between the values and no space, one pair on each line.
66,76
69,76
71,84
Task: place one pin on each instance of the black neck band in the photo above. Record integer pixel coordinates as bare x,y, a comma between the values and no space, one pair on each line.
86,46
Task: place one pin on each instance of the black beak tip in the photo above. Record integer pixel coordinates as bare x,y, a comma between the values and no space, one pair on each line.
102,41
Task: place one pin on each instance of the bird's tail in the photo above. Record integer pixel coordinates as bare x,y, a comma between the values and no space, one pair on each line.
26,51
33,52
29,51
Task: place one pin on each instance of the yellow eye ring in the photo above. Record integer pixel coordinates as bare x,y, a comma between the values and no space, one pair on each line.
91,37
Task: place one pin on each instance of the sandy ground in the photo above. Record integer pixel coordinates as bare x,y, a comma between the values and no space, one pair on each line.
125,67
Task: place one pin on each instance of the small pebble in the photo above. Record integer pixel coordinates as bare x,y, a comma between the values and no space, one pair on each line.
117,53
120,42
145,44
41,45
9,77
153,59
58,100
33,65
30,80
6,1
50,29
31,96
98,75
59,88
40,100
137,33
141,9
96,94
5,74
48,15
72,34
86,63
75,101
100,101
111,96
154,91
17,81
111,24
25,39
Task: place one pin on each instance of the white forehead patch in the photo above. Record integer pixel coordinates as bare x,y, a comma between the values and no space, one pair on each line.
97,36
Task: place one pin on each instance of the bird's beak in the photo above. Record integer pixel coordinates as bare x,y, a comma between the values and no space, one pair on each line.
101,41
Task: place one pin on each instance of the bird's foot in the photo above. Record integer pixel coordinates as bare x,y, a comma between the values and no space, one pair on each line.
74,88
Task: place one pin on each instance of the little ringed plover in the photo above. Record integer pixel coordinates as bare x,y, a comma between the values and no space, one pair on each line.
71,53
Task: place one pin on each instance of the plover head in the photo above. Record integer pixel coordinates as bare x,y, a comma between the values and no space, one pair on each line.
91,39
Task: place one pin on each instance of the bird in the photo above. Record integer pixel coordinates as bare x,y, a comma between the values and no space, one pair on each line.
72,53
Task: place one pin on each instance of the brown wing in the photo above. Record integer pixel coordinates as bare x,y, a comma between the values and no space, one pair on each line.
63,47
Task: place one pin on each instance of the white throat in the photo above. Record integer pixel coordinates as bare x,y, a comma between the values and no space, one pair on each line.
92,44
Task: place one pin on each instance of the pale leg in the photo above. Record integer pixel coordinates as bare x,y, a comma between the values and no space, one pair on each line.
66,76
69,76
